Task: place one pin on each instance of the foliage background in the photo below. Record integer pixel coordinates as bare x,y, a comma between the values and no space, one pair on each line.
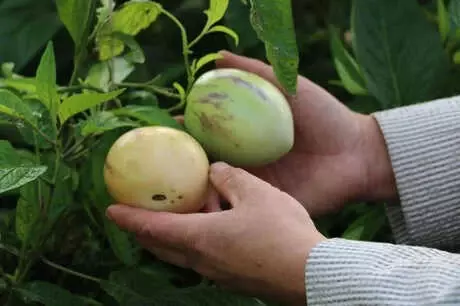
371,54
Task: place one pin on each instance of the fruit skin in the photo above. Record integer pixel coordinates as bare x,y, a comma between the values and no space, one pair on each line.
239,117
157,168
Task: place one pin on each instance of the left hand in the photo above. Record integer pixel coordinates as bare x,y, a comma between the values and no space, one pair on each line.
258,247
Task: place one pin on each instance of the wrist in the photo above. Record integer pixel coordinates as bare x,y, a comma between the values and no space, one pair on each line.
380,183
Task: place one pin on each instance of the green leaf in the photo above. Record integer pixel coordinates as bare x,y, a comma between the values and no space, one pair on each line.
151,286
148,115
237,18
130,19
400,53
46,81
96,192
80,102
75,15
454,12
26,85
443,20
346,66
25,27
102,74
28,211
12,177
274,25
102,122
14,171
48,294
206,60
367,225
137,54
62,197
216,11
44,123
14,107
223,29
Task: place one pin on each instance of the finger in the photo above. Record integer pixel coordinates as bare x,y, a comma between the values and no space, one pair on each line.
179,119
212,203
167,254
178,230
236,184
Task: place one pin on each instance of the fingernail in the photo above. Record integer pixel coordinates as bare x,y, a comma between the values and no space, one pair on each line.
219,167
109,211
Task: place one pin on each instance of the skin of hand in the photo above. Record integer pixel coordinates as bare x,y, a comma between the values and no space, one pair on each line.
258,247
338,156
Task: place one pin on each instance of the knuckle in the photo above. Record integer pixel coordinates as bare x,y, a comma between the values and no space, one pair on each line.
230,176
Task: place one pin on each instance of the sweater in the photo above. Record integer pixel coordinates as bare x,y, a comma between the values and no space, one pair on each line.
423,266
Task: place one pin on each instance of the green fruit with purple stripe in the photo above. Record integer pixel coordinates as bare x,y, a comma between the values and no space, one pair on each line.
239,117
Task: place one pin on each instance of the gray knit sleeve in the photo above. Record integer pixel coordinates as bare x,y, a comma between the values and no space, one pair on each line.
351,273
423,142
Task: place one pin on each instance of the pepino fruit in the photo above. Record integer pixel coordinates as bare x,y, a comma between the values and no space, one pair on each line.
239,117
157,168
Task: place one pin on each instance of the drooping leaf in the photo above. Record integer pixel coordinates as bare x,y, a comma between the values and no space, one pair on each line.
148,115
226,30
274,25
346,66
46,81
130,19
102,122
400,53
80,102
25,27
206,60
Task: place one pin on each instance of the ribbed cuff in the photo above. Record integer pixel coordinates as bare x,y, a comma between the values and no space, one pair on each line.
424,146
345,272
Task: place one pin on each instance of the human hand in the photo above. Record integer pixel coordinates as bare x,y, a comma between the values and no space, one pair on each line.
258,247
338,156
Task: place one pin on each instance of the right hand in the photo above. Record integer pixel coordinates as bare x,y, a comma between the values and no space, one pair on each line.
338,156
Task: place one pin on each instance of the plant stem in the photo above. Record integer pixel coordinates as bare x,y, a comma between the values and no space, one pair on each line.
199,37
9,249
158,90
74,147
36,129
69,271
185,48
78,88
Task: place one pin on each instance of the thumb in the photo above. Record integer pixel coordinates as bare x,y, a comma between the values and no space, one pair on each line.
236,184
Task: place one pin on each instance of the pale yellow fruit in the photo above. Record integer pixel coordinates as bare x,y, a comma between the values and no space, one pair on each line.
157,168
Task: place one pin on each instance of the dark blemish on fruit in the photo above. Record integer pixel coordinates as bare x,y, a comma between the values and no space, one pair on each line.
247,84
218,95
180,197
214,98
159,197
